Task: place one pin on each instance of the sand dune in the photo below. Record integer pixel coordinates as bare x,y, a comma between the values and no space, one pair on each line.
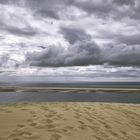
70,121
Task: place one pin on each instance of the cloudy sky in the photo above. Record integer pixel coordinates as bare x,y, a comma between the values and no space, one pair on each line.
94,39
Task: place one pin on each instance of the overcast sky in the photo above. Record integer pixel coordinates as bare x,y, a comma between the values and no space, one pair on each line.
99,39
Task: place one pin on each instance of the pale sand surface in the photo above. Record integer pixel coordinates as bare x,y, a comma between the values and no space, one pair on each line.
70,121
67,89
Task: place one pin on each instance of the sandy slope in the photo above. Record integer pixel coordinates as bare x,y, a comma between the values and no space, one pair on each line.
70,121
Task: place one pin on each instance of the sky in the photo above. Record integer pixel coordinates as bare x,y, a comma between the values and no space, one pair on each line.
80,39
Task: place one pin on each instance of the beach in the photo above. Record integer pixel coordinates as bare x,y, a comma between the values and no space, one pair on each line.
69,121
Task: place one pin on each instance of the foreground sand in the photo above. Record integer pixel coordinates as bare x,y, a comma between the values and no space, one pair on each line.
70,121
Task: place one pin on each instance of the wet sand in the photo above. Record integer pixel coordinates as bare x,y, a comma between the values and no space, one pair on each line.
66,89
70,121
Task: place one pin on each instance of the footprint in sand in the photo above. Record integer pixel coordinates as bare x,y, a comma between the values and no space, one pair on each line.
89,120
59,117
53,113
23,109
20,125
107,126
12,136
68,127
114,134
44,108
88,108
33,113
33,124
56,137
49,115
83,127
77,115
26,134
49,121
64,130
5,110
16,139
81,122
30,120
124,133
49,126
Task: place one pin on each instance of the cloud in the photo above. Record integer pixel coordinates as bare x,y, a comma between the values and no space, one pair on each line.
14,22
9,1
79,54
109,9
122,37
86,53
124,2
7,62
83,51
45,8
47,13
72,35
4,1
129,39
99,7
26,31
56,9
3,60
122,55
84,32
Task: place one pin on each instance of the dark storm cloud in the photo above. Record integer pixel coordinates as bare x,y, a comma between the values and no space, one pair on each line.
124,2
100,8
122,54
47,13
86,53
80,54
129,39
72,35
45,8
26,31
82,51
22,32
11,2
114,9
4,1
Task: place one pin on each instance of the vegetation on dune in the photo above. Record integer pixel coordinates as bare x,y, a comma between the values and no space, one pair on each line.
7,89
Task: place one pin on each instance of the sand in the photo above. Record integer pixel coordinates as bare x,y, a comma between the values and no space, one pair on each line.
70,121
67,89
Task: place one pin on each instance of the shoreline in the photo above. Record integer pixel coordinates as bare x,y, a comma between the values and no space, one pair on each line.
67,89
